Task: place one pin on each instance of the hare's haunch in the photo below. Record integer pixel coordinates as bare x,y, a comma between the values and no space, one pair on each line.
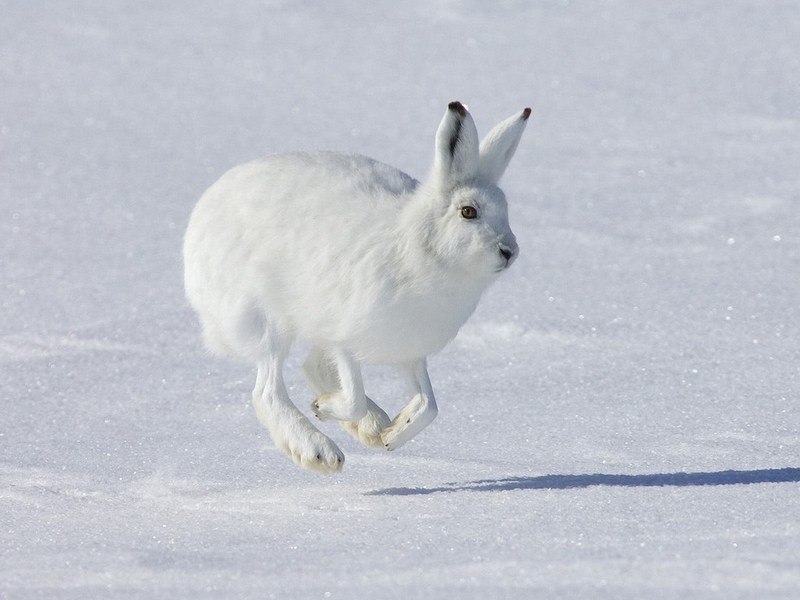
365,263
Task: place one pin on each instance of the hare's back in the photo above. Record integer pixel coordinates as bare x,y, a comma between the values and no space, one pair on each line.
297,197
304,180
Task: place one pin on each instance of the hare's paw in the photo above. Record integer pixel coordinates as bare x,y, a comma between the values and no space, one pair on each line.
395,435
368,429
314,451
415,416
337,405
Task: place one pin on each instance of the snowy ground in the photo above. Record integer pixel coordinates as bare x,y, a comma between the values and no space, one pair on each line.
618,420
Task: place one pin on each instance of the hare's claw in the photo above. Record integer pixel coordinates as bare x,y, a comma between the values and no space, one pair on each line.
317,410
317,453
336,405
414,417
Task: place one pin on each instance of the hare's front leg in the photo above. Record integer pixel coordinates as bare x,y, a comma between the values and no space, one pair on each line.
322,374
347,401
420,411
289,428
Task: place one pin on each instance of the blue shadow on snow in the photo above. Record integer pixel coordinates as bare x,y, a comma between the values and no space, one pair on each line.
566,482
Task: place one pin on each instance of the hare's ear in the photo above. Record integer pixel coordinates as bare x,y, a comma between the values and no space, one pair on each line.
456,158
499,146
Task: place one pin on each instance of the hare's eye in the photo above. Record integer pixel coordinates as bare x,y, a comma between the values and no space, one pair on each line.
469,212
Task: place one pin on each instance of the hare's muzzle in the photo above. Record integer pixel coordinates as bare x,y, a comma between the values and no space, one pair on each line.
508,253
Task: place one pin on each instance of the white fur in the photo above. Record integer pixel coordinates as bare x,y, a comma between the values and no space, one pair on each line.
359,259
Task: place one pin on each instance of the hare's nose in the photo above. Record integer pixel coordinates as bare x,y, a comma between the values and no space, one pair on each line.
506,252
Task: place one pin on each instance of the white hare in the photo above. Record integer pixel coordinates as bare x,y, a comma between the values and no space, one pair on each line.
362,261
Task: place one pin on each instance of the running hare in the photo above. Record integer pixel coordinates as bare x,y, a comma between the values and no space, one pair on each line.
359,259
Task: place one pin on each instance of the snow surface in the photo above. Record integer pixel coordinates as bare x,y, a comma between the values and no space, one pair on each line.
618,420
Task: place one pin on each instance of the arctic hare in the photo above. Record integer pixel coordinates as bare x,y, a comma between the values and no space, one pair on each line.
359,259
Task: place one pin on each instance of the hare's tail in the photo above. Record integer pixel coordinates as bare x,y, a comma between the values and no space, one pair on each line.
237,333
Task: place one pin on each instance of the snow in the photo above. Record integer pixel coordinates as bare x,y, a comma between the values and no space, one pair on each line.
619,418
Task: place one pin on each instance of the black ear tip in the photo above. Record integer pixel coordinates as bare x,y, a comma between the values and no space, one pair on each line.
456,106
526,113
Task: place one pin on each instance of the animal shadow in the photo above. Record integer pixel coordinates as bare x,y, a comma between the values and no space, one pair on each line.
566,482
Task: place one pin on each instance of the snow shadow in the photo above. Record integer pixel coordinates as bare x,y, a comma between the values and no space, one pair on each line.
566,482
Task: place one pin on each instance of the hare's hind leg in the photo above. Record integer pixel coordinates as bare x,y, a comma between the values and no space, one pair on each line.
323,375
420,411
289,428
